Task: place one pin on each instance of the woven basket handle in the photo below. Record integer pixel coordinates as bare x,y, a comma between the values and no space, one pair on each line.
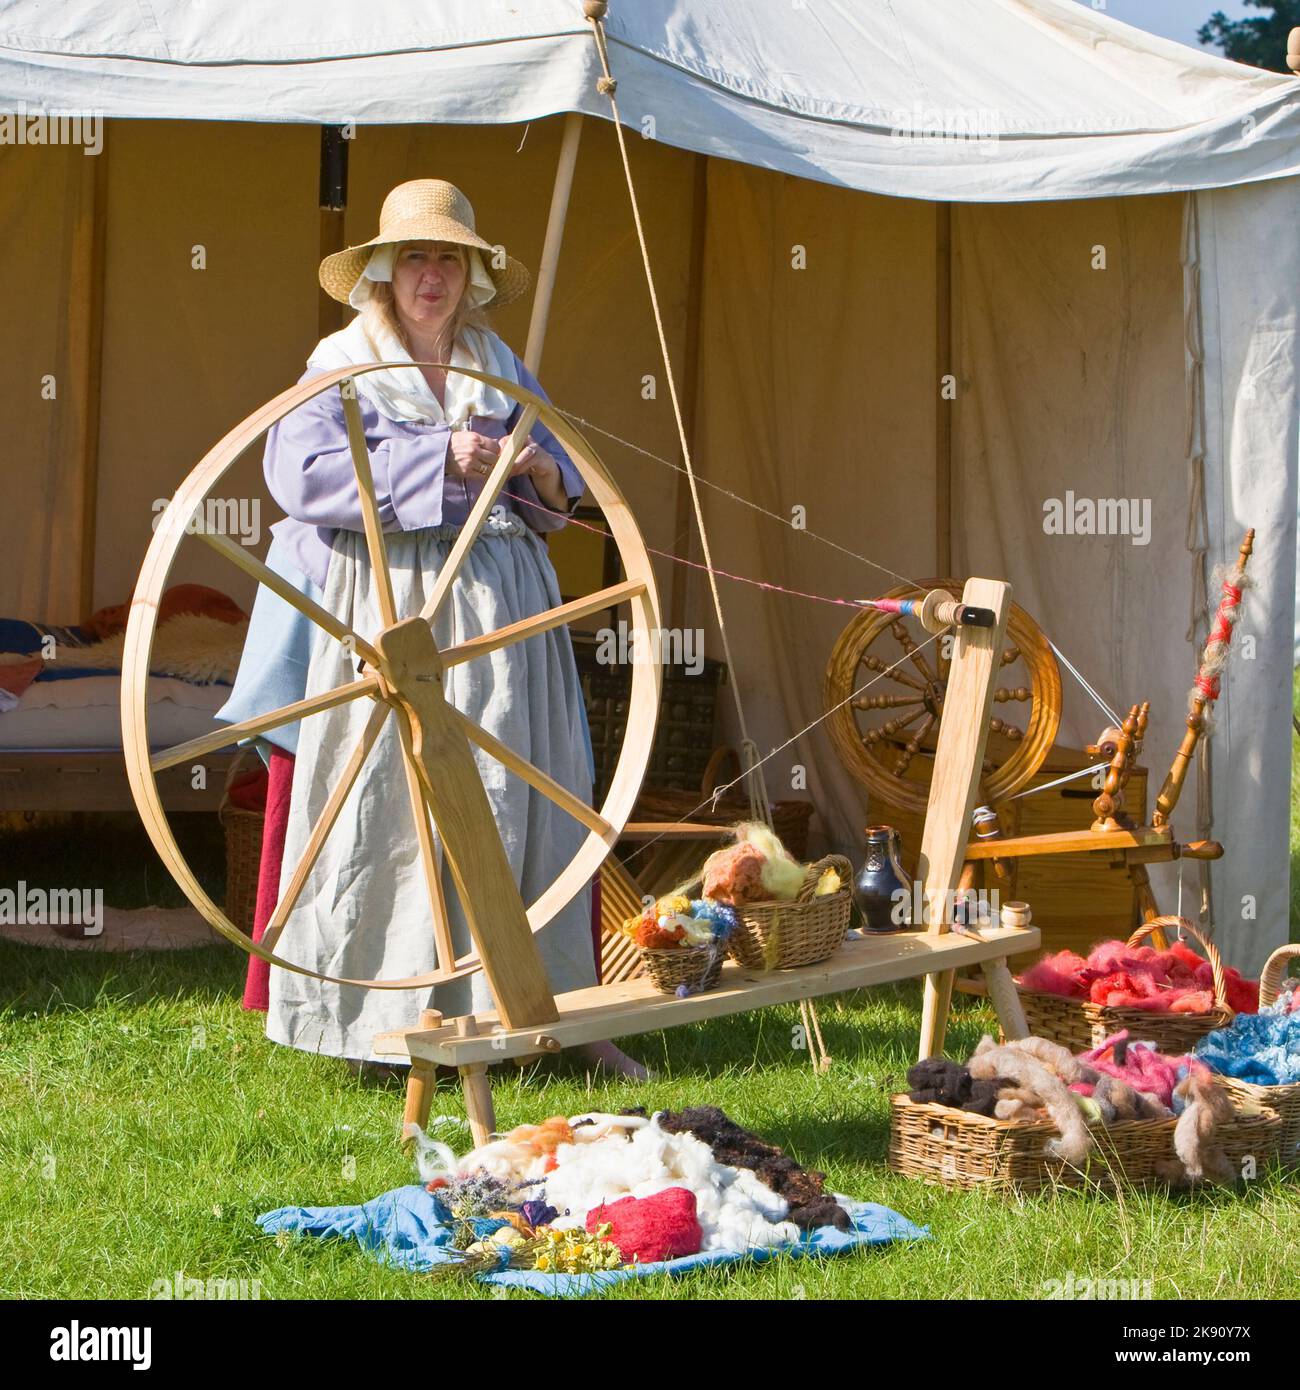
1181,924
718,759
815,871
1270,978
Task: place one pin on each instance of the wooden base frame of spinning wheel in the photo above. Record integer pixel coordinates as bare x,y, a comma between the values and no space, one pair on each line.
402,670
909,685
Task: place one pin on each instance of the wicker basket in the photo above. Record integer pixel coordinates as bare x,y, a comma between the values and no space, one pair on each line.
957,1149
1080,1024
789,818
778,935
696,967
1282,1101
243,856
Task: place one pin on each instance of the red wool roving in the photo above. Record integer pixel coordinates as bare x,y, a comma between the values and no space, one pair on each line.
649,1229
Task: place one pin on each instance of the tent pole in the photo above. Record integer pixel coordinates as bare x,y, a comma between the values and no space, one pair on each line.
85,350
690,383
333,209
944,405
554,240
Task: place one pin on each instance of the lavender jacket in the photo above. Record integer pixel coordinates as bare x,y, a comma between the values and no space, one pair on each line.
308,468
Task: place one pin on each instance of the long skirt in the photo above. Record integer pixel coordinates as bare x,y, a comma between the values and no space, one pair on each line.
364,911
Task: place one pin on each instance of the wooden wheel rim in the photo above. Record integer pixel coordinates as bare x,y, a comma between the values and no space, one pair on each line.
173,524
844,676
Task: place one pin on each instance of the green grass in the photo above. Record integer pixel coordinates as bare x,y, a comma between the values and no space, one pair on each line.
145,1121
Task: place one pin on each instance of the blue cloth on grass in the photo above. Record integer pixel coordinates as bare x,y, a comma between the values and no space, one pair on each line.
408,1228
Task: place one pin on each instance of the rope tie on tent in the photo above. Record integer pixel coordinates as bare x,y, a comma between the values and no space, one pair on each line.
759,802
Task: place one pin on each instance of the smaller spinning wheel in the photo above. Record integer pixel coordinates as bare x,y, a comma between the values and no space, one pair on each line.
884,691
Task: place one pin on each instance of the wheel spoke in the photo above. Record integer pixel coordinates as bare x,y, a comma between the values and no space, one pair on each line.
891,727
535,777
320,831
1011,654
237,555
913,747
1008,731
428,851
874,663
916,656
886,701
1021,692
370,521
286,714
543,622
492,488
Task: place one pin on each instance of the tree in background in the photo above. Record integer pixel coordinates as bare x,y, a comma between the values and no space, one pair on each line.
1259,41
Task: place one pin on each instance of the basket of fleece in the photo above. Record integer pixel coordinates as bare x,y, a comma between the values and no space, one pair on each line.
571,1206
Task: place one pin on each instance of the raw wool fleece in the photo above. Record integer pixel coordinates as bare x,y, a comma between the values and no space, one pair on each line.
939,1081
1047,1078
1031,1078
736,1211
190,646
803,1188
1262,1048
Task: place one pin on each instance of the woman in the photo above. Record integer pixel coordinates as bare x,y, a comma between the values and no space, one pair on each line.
420,287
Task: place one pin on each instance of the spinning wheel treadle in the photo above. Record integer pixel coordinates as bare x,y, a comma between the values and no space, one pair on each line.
886,735
402,675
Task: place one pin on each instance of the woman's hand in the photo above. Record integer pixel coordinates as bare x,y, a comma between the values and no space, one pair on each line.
471,455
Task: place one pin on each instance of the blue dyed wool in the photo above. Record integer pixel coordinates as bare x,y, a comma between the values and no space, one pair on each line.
1262,1048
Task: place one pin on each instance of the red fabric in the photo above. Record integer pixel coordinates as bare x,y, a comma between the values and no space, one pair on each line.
248,790
649,1229
279,783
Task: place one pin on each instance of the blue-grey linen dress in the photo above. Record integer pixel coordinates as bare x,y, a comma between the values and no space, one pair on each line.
363,912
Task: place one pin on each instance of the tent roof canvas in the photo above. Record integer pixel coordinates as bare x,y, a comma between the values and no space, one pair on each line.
958,100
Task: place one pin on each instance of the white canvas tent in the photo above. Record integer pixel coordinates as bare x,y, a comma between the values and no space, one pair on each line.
1090,231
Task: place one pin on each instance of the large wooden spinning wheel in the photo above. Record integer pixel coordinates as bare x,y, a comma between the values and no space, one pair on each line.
400,672
886,734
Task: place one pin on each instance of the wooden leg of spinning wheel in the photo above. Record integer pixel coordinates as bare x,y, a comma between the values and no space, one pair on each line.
477,1088
1147,906
1005,999
478,1102
421,1082
935,1004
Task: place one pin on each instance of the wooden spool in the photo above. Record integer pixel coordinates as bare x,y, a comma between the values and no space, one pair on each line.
403,665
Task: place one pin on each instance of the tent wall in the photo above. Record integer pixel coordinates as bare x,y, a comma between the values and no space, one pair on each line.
1069,359
1244,250
818,387
45,208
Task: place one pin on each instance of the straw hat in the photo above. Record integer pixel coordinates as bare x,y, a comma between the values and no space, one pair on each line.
424,210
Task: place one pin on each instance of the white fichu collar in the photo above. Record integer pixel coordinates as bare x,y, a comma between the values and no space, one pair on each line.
402,393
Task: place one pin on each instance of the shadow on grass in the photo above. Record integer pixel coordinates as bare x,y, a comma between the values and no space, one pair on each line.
36,980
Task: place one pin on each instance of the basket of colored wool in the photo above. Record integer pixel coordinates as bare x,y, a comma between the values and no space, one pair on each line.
1257,1057
683,942
788,913
1170,998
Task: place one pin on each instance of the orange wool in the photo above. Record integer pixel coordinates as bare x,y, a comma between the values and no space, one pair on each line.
546,1137
652,937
